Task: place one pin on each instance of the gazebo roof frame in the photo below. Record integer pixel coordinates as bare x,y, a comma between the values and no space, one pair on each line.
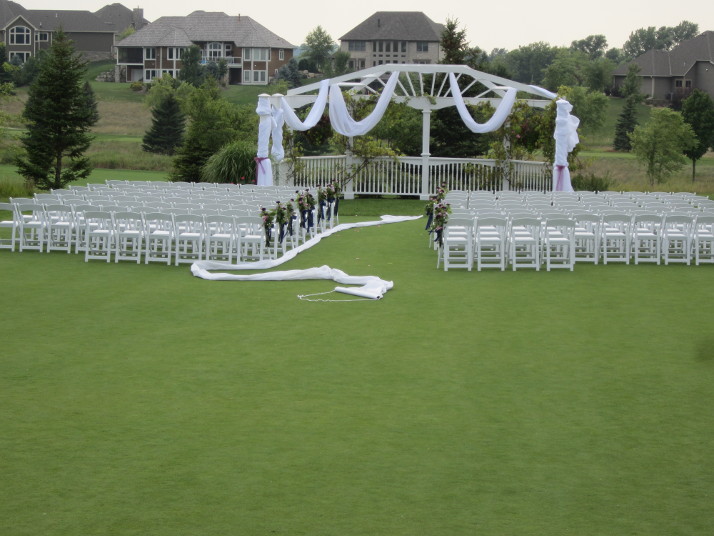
424,92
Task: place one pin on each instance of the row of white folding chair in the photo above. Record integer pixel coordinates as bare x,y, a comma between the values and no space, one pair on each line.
166,238
495,241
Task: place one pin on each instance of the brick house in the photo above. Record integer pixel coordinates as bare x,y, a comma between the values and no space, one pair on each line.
671,75
252,52
393,37
26,32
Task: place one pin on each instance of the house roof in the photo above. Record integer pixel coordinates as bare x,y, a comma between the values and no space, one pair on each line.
68,20
202,26
119,15
111,18
399,25
675,62
9,11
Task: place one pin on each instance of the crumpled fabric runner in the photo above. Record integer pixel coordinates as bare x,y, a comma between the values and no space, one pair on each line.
371,286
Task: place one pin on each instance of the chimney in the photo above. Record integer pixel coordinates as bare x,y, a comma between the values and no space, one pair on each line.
137,18
379,23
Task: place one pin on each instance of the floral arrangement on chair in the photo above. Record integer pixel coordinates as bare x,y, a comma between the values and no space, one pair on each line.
267,218
281,217
326,197
441,218
433,201
306,204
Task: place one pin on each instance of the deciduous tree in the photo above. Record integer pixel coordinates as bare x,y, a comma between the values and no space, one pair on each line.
59,113
319,47
660,144
698,113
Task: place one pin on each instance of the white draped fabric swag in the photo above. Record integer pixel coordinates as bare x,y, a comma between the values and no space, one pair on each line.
372,287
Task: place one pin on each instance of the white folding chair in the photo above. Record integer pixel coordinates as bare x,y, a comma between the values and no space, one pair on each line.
158,237
703,240
250,238
615,236
646,237
189,237
59,228
490,242
220,233
129,243
524,242
457,243
31,226
587,236
11,224
677,238
99,235
559,243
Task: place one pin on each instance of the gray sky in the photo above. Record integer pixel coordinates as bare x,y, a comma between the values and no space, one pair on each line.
499,24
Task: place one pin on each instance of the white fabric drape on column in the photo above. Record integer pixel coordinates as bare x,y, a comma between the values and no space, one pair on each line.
340,117
277,150
263,167
566,138
497,119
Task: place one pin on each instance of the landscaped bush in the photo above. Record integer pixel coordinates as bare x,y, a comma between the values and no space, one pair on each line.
591,182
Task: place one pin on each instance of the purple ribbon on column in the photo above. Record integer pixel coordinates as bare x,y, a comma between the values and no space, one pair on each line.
559,182
259,162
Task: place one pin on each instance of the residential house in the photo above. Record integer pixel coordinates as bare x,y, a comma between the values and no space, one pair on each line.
393,37
26,32
671,75
252,52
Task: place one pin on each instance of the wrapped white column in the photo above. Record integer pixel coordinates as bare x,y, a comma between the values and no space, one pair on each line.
263,167
566,138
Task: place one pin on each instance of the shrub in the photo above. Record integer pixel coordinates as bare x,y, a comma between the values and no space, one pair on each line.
591,182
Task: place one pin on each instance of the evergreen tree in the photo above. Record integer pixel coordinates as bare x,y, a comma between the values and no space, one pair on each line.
290,73
698,112
59,113
626,124
167,127
192,72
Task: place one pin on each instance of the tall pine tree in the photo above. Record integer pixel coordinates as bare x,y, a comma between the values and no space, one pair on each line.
167,127
60,111
626,124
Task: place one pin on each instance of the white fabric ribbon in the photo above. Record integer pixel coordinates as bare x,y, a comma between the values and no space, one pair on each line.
372,286
277,150
291,118
340,117
498,117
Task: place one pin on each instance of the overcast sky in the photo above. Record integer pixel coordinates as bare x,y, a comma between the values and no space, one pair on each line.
500,24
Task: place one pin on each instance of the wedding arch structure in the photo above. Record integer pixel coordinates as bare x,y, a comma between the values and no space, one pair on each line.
422,87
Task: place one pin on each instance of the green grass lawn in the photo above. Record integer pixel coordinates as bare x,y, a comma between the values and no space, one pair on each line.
138,399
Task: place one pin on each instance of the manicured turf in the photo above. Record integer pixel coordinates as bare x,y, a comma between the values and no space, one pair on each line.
140,400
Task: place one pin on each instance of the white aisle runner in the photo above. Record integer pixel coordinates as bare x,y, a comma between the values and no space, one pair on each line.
372,287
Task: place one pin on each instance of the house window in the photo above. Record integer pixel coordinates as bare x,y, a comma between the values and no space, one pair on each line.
357,46
170,72
404,46
259,77
214,50
281,54
688,84
22,57
256,54
388,46
42,36
19,35
175,53
150,74
149,53
247,76
422,46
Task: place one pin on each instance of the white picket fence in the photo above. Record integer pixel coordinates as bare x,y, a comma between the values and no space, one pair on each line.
403,175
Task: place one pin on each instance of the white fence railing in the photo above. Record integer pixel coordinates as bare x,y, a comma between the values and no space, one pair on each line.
404,176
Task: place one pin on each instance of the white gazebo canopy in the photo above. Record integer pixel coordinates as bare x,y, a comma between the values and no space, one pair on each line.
423,87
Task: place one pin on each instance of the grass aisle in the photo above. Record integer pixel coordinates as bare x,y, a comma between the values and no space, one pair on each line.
140,400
